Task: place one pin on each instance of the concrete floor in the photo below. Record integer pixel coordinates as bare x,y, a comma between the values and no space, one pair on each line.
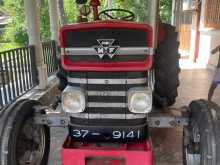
167,142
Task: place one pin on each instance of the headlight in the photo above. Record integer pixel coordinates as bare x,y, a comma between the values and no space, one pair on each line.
73,100
140,100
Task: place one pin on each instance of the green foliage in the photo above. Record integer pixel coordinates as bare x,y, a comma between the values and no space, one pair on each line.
70,11
44,20
8,46
140,8
16,30
166,10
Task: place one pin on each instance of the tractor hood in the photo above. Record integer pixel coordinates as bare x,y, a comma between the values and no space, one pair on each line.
106,46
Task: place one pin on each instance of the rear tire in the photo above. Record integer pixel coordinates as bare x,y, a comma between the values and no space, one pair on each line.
166,66
22,141
201,137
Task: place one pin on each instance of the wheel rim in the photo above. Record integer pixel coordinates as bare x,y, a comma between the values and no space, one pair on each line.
30,146
192,154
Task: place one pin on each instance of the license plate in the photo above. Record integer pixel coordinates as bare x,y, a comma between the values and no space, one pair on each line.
108,134
115,134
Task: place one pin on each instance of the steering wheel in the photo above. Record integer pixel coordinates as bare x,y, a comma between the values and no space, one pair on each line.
127,15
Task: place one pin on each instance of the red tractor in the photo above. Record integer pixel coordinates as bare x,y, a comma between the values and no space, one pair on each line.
110,65
116,77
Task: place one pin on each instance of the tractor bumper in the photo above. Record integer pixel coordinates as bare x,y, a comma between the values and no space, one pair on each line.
78,153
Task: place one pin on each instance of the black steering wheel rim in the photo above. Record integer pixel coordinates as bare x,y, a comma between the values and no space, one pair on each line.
130,17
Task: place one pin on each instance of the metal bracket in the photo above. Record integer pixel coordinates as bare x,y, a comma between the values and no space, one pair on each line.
167,121
52,118
169,118
57,118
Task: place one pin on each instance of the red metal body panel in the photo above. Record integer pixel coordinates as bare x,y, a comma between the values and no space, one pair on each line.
104,67
116,66
90,154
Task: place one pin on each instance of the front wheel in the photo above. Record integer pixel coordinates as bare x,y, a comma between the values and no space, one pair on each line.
201,144
22,141
167,69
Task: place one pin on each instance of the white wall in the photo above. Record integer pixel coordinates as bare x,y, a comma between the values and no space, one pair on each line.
209,39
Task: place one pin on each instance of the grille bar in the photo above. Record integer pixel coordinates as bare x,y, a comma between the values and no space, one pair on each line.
103,105
107,81
109,116
121,51
106,93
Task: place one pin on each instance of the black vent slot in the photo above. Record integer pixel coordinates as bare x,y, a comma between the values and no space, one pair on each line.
123,37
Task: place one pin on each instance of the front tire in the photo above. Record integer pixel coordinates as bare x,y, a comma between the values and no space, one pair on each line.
166,66
22,141
201,137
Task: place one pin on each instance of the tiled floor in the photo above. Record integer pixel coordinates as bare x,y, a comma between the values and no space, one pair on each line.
167,142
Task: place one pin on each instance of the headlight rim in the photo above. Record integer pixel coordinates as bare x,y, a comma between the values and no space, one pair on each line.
135,90
76,90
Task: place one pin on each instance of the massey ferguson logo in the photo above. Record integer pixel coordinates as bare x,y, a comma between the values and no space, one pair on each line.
106,48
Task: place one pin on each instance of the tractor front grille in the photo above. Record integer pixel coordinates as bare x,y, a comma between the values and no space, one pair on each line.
106,94
123,37
130,38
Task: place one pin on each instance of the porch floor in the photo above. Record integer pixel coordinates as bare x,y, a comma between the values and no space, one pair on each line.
167,142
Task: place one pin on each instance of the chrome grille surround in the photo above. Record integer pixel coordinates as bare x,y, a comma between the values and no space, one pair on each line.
106,93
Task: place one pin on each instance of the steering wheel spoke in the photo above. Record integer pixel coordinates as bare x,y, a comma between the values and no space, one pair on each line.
108,15
128,17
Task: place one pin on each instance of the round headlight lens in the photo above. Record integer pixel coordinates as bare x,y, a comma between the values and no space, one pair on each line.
73,100
140,100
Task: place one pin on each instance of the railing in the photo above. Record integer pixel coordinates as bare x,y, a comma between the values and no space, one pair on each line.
18,74
50,56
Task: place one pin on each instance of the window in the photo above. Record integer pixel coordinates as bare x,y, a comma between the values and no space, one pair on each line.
212,14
